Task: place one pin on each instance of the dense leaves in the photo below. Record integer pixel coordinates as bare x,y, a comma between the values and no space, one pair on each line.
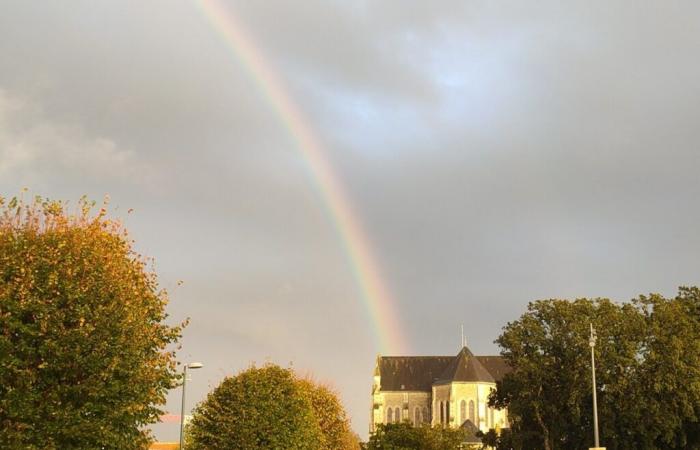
501,440
84,357
404,436
648,373
330,415
270,408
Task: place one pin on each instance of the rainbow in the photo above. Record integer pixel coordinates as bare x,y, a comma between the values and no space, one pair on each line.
375,295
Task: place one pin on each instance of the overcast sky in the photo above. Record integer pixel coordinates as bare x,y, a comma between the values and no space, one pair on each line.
495,153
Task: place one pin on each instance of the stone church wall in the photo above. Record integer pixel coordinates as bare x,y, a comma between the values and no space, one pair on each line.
405,402
475,406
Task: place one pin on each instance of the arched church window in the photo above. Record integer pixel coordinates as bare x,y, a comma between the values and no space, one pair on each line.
426,417
471,412
447,412
389,415
416,416
442,413
397,415
462,411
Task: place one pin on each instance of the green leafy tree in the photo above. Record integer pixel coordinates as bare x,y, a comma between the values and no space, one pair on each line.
404,436
669,378
330,415
502,440
648,373
260,408
84,359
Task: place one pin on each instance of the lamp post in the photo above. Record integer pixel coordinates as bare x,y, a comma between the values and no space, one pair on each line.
591,342
194,365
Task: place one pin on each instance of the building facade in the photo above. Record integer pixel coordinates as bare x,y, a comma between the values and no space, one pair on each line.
449,391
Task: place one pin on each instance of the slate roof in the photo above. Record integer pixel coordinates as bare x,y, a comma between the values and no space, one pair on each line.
411,373
419,373
496,365
466,368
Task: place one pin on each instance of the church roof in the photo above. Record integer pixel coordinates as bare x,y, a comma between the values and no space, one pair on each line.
411,373
419,373
496,365
466,367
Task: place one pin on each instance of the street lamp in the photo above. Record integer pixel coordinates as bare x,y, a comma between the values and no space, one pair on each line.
591,342
194,365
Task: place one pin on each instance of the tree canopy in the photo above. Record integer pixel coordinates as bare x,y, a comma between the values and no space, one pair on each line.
404,436
330,415
648,373
84,348
270,408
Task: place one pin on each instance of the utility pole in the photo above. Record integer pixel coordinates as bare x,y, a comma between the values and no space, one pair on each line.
596,440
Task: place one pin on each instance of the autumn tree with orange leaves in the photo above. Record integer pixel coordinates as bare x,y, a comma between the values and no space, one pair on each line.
85,354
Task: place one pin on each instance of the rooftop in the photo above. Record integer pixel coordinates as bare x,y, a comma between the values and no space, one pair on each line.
419,373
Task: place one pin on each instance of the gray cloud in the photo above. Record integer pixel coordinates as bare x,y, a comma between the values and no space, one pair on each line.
34,148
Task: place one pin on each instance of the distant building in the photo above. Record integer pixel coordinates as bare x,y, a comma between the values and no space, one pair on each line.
450,391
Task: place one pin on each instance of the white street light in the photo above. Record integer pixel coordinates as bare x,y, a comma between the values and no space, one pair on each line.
194,365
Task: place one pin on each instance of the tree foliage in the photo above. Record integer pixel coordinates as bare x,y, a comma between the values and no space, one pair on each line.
270,408
84,359
404,436
499,440
330,415
648,373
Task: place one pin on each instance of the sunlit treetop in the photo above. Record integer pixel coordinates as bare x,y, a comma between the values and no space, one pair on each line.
85,350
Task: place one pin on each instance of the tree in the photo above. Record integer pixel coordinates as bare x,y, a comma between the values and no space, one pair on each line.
404,436
670,374
84,359
502,440
260,408
648,373
351,441
330,415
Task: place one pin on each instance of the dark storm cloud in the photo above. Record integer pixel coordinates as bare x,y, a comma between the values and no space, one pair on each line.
496,153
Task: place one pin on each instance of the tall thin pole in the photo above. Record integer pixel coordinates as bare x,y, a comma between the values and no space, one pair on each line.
595,400
182,409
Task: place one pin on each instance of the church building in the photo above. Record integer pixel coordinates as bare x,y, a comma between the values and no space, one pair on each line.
449,391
